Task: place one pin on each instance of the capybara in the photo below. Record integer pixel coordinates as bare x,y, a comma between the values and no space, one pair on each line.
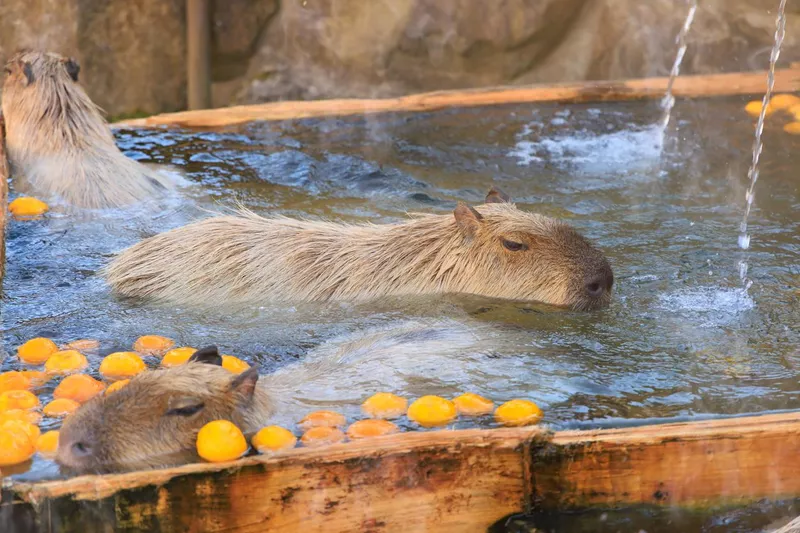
493,250
153,421
58,142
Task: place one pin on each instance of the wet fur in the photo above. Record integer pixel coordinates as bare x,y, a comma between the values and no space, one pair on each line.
248,258
58,142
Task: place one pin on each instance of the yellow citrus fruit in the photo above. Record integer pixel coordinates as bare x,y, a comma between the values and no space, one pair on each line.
32,430
26,206
60,407
47,444
473,405
78,387
795,111
792,128
18,399
432,411
783,101
322,419
754,108
518,413
117,385
24,415
121,365
177,356
153,345
364,429
220,441
65,362
234,364
14,381
384,405
37,351
15,446
83,345
321,436
273,439
36,377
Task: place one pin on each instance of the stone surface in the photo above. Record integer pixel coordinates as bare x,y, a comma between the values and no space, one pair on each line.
133,52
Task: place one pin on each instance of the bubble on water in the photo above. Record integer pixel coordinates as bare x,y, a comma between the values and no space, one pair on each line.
744,241
708,300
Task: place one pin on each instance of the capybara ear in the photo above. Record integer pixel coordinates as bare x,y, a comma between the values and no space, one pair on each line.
73,68
28,70
245,383
467,219
208,355
497,196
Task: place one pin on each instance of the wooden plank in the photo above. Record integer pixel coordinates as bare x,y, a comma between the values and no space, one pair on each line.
4,173
427,481
733,461
738,83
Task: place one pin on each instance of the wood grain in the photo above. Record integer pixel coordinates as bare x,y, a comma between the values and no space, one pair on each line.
737,83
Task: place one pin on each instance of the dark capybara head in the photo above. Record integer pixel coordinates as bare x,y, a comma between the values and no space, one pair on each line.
525,256
41,71
153,421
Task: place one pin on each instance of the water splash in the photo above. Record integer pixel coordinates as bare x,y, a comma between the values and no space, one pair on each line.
669,100
752,173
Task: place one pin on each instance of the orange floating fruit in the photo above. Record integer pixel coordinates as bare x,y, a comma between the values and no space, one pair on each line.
83,345
152,345
273,439
432,411
321,436
792,128
121,365
220,441
18,399
384,405
78,387
177,356
36,377
117,385
473,405
234,364
32,430
322,419
754,108
66,362
37,351
15,445
784,101
24,415
795,111
47,444
518,413
14,381
25,206
60,407
364,429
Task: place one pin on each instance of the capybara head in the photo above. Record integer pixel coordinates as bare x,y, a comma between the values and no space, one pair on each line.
153,421
525,256
42,72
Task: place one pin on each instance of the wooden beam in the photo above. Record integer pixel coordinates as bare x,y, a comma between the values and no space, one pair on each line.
738,83
198,54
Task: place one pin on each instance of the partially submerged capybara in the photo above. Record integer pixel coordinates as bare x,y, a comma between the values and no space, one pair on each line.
493,250
59,144
153,421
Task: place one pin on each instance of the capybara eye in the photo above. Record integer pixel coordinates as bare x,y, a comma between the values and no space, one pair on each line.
186,410
7,70
514,246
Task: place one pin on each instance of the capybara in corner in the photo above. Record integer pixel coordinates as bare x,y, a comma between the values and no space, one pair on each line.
59,144
493,250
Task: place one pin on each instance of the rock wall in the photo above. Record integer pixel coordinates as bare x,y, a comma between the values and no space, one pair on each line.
133,51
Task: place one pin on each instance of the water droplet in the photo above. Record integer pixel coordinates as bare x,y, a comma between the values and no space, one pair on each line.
744,241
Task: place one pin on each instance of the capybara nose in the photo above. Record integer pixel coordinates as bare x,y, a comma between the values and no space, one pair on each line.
600,284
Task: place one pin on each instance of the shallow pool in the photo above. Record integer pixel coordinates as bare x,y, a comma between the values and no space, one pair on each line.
681,339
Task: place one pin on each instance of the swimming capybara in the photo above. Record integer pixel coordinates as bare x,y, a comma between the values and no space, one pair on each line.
58,142
153,421
493,250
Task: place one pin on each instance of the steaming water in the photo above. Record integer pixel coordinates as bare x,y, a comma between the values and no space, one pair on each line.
681,339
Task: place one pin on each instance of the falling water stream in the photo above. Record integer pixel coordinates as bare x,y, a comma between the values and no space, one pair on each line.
669,100
752,173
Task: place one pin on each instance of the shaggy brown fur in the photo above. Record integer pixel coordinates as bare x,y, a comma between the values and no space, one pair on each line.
59,144
493,250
